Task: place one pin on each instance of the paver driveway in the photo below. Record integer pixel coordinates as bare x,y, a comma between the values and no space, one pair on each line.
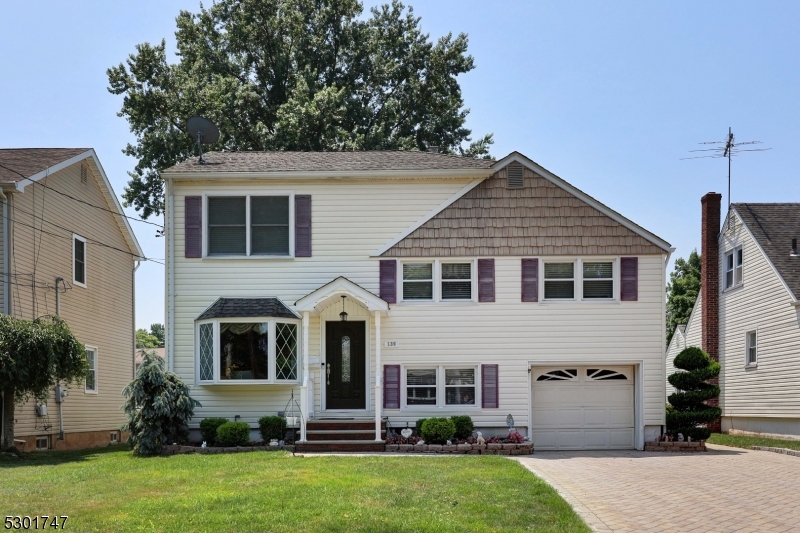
722,490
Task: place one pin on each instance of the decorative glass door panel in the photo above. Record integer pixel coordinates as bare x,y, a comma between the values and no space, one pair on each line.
345,360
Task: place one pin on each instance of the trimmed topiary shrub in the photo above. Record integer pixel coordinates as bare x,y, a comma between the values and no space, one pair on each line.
208,428
690,413
418,426
233,433
438,430
464,426
272,427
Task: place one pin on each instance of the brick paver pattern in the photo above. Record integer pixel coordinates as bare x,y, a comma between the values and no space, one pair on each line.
724,490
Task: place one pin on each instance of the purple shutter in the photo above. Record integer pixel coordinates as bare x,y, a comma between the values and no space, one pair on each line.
530,280
388,284
302,225
391,386
489,387
193,226
485,280
629,272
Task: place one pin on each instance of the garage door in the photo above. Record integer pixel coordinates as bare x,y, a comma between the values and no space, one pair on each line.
577,408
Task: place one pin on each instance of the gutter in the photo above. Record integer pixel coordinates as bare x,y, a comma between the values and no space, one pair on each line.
464,173
133,315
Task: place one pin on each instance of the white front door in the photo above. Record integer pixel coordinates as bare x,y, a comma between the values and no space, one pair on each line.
582,407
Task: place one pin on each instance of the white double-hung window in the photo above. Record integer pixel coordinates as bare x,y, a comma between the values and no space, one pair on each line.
249,225
580,279
440,386
751,357
90,385
438,281
733,267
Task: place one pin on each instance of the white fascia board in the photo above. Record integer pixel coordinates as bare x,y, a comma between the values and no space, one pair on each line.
763,253
435,211
523,160
343,174
21,184
337,287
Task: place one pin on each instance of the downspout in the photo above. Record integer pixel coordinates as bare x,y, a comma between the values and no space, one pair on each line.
170,228
133,315
6,304
59,401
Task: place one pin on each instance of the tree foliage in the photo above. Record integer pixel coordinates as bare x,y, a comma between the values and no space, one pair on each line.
682,292
34,357
158,407
292,75
146,340
157,330
690,413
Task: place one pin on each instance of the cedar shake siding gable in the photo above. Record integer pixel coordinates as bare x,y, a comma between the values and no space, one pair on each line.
537,219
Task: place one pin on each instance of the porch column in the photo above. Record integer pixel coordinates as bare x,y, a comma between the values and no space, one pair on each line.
304,399
378,384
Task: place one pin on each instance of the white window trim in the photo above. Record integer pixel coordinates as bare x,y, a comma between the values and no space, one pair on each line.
437,281
747,363
271,351
440,389
578,279
96,370
247,195
83,284
735,284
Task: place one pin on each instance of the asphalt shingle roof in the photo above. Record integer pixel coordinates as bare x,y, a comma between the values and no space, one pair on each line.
774,226
328,161
29,161
247,307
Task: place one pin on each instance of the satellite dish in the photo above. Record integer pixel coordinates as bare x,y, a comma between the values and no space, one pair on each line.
203,131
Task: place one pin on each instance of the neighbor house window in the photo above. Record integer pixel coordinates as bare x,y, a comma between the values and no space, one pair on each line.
440,386
417,281
91,375
249,225
598,279
752,348
456,281
559,281
79,260
733,268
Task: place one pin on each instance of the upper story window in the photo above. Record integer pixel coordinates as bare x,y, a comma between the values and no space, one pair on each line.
249,225
559,281
751,359
733,267
79,260
456,281
580,279
417,281
438,281
598,279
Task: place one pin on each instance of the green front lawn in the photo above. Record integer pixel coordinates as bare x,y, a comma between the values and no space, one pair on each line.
742,441
110,490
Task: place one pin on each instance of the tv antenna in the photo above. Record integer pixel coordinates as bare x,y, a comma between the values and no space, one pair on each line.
727,148
204,132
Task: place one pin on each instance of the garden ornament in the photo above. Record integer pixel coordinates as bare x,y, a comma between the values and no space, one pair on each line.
420,442
273,442
680,437
481,440
406,432
449,443
203,445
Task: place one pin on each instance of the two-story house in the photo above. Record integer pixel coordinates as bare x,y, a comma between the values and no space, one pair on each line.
748,314
67,249
391,286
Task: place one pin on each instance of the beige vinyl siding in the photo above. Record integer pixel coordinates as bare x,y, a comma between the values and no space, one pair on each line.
99,315
353,218
4,277
762,303
690,337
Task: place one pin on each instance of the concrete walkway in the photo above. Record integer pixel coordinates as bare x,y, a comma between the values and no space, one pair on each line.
724,490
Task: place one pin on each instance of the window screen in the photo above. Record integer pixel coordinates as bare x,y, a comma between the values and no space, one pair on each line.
456,281
559,281
598,280
227,225
269,225
418,281
421,386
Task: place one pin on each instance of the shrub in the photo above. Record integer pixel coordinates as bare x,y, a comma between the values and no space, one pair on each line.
233,433
272,427
438,430
208,428
689,413
516,437
464,426
158,407
418,426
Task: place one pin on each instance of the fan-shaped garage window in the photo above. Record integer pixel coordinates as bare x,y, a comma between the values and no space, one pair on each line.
564,374
604,374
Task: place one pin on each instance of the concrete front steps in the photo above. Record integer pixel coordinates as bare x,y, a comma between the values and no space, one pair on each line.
346,435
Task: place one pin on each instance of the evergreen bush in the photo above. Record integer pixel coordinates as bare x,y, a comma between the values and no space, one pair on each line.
233,434
208,428
689,413
438,430
464,426
418,426
158,407
272,427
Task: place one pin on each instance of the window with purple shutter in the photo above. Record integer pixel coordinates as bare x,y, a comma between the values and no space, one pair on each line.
629,274
388,280
391,386
485,280
530,280
193,226
489,387
302,225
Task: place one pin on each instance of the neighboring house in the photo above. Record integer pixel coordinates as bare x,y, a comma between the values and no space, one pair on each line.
685,335
138,358
468,286
67,249
751,277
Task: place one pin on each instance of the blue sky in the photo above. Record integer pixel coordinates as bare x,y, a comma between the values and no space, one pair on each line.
607,95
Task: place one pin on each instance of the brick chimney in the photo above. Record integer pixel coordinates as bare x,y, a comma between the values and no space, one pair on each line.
710,282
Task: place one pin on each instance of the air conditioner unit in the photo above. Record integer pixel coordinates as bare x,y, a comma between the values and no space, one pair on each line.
41,409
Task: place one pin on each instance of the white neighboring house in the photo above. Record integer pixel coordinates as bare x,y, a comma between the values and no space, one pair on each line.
758,318
468,287
685,335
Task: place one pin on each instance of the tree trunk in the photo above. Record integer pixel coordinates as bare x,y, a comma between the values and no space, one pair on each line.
8,418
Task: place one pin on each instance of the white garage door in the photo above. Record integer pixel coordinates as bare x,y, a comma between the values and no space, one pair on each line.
577,408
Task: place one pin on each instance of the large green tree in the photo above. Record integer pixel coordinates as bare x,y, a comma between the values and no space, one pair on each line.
34,357
144,339
293,75
682,291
